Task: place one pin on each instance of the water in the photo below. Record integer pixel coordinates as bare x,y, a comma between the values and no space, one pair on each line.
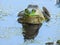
11,30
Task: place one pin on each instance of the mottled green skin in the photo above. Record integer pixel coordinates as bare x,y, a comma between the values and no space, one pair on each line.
31,23
27,12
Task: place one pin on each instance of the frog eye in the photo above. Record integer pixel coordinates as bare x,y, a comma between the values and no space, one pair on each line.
26,10
33,10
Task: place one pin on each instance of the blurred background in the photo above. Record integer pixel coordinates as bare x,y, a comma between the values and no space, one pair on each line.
11,30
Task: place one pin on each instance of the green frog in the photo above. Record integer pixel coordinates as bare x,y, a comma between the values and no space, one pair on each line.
32,19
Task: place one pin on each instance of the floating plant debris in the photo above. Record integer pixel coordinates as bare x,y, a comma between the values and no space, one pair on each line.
58,42
49,43
58,3
3,14
7,32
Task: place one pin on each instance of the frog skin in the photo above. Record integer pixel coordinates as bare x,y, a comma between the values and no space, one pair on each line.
30,30
44,14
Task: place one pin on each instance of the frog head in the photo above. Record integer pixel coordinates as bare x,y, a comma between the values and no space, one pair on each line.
31,9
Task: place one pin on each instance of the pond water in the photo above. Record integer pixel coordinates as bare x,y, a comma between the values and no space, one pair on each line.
11,30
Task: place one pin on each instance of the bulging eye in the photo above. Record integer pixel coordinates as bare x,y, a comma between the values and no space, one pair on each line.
33,10
26,10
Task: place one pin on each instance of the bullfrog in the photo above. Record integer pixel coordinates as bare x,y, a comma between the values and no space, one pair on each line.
32,19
